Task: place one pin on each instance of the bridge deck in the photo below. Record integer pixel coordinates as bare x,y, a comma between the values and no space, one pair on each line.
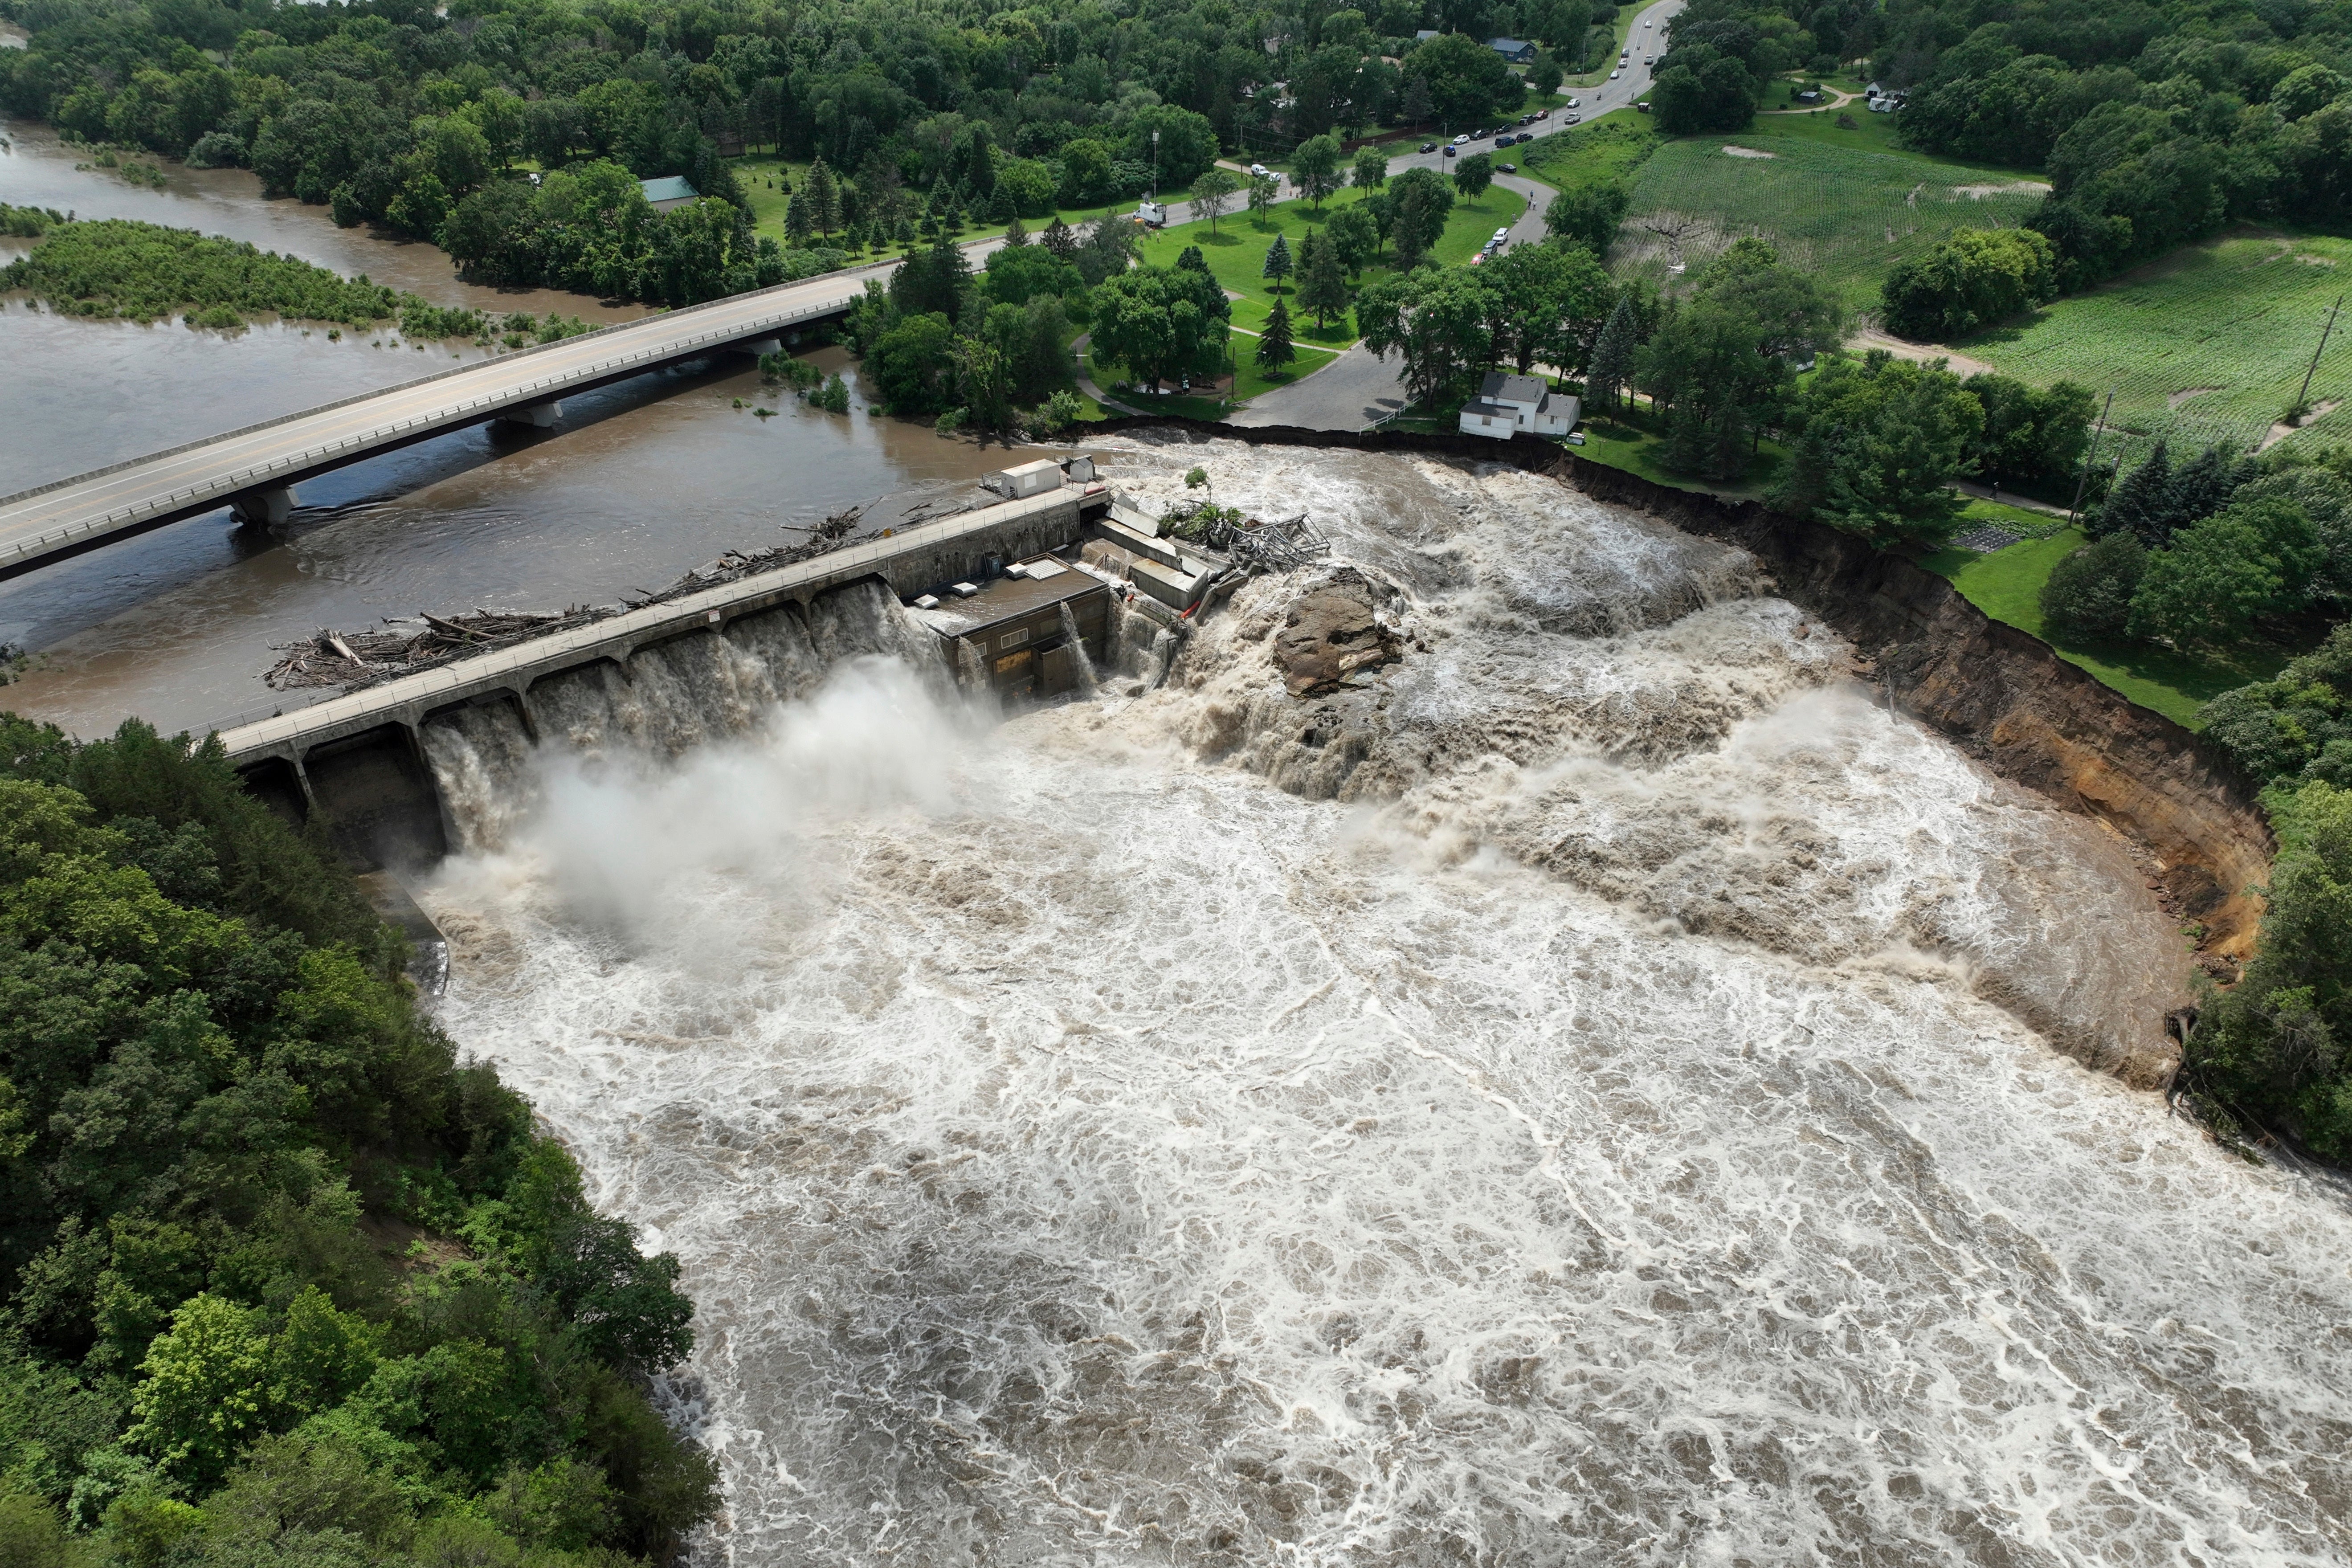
70,516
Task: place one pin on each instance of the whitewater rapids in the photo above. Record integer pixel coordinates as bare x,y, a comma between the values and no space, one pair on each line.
1613,1113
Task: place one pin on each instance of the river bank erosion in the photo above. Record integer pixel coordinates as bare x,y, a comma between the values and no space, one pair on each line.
1595,1087
1585,1025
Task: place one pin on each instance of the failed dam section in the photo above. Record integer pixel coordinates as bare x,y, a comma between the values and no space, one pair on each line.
1009,602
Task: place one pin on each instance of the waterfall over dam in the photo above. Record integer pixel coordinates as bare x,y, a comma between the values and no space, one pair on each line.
1509,1054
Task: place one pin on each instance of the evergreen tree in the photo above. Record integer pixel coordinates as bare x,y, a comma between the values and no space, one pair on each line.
1611,364
824,198
979,160
1001,209
1060,241
2203,486
1417,105
2142,503
1191,257
1274,348
796,221
1016,234
1322,282
1277,262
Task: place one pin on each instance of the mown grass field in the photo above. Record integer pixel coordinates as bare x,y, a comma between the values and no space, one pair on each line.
2206,345
2007,585
1841,204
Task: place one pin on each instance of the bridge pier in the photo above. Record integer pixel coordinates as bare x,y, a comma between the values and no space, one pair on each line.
268,506
535,415
770,345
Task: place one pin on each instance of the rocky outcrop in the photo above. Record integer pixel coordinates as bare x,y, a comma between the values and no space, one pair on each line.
2006,697
1329,634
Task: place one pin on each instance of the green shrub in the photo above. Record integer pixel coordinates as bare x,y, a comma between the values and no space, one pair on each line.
2088,596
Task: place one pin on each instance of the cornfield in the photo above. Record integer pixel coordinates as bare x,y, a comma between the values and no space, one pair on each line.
2208,344
1845,214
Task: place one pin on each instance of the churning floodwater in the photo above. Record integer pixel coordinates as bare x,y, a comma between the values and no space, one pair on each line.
1608,1115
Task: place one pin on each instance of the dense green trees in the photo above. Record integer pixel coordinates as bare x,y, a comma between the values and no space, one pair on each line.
1589,215
1876,440
219,1107
1721,364
2088,596
1465,82
1162,324
1968,281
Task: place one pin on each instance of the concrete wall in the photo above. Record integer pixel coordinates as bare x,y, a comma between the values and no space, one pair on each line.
356,761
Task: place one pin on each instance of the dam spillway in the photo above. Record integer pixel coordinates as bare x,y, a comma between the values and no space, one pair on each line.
664,676
1563,1095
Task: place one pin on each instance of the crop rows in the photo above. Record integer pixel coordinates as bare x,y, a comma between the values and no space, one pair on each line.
1843,212
2208,344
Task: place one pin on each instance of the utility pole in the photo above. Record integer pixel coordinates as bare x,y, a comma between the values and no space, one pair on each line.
2088,454
2314,355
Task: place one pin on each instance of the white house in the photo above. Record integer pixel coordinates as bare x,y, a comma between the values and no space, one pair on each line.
1506,404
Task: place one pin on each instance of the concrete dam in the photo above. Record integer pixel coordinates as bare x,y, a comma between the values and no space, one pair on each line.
1000,603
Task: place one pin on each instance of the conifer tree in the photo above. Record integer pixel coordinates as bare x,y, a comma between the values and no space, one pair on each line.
1191,257
1016,234
796,221
2203,486
824,198
1611,364
1322,282
1277,262
1059,240
2142,503
1274,347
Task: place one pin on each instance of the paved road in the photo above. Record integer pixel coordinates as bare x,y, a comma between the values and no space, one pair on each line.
77,514
1356,389
72,515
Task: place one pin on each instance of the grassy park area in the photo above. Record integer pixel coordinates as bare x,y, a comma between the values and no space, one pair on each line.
2007,585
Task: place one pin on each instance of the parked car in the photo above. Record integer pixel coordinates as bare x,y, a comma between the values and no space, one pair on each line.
1614,74
1576,120
1527,119
1500,235
1152,214
1461,140
1429,146
1481,133
1259,171
1506,141
1451,149
1545,113
1506,168
1642,107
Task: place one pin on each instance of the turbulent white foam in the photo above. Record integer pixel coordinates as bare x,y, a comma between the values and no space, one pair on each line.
1083,1152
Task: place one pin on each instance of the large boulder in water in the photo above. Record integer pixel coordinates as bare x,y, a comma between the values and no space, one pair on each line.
1331,633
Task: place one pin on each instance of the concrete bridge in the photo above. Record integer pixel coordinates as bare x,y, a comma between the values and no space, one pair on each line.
358,762
254,471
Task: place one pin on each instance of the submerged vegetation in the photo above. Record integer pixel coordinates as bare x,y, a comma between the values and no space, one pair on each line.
144,272
281,1281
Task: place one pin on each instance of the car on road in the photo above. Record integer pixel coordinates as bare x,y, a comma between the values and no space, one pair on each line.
1500,235
1506,168
1545,113
1614,74
1429,146
1576,120
1506,141
1451,149
1527,119
1462,141
1575,104
1259,171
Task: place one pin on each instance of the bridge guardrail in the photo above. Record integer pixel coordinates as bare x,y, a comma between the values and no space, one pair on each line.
249,477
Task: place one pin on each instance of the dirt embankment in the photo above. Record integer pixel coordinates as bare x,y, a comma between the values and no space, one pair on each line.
2004,695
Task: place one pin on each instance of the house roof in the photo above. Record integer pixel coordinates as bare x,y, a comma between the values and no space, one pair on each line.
670,188
1477,405
1510,46
1498,387
1424,35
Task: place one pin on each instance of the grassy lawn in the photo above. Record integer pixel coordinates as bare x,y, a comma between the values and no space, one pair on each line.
1845,204
768,206
2206,345
1236,252
1628,439
2007,585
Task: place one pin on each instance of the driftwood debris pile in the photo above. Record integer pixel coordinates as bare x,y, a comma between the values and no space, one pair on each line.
353,660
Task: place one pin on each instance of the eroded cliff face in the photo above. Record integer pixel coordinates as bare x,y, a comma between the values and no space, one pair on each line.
2011,701
2192,823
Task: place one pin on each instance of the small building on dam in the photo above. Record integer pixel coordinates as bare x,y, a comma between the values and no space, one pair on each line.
1022,599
